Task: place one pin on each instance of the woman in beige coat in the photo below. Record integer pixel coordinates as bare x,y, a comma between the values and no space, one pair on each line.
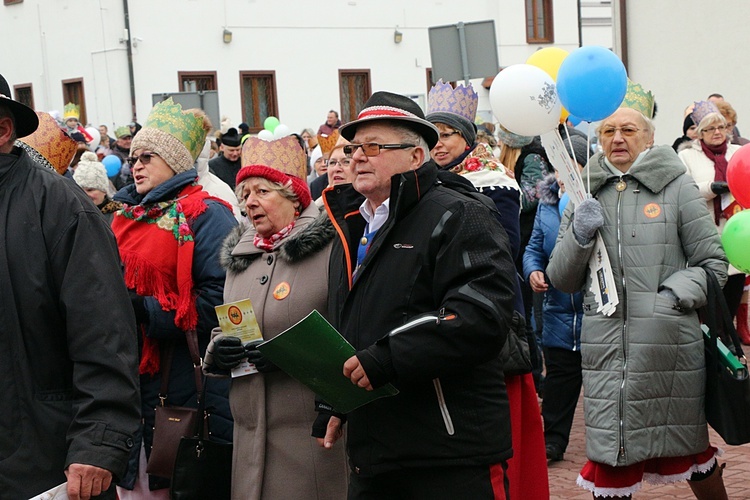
279,262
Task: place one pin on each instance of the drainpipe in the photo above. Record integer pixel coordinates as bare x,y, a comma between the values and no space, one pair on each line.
620,21
131,75
580,28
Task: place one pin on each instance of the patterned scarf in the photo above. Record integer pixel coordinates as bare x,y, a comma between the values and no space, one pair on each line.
479,157
156,246
717,154
267,244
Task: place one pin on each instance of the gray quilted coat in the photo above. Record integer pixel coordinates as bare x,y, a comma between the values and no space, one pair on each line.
643,367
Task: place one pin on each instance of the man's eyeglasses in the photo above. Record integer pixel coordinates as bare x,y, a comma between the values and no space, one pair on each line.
344,162
627,131
711,130
373,148
447,135
144,157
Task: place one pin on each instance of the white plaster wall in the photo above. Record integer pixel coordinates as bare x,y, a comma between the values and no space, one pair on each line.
306,42
684,50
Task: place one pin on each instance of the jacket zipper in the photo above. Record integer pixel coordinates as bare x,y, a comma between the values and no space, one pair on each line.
443,408
622,454
575,320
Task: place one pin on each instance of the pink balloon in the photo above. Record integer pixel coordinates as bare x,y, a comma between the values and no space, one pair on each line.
738,176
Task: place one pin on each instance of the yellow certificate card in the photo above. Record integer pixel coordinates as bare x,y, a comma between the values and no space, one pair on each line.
238,320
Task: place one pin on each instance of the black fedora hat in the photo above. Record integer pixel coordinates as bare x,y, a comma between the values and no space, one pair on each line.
388,106
25,117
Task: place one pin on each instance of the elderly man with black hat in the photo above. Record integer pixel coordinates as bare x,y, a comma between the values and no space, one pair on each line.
68,347
421,283
227,164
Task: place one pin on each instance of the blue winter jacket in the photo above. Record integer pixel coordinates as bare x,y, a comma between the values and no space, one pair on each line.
562,312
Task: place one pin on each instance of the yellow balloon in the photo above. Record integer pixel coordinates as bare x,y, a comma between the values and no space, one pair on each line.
564,114
549,59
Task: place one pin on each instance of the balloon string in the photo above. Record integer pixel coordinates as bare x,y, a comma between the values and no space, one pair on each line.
570,143
588,152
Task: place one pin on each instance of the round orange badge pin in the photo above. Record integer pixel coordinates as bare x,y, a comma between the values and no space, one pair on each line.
281,291
652,210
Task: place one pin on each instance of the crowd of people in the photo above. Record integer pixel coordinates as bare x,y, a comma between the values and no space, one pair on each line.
448,254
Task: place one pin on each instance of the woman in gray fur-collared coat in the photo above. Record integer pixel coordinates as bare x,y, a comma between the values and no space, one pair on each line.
283,269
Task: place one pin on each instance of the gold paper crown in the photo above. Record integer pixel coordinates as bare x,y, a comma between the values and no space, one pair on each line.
462,101
284,155
639,99
71,111
187,128
52,143
327,142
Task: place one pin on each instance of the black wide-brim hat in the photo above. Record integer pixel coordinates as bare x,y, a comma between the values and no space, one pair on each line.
26,119
395,107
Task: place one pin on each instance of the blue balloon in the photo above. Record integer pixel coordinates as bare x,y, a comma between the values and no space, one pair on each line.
564,199
112,164
591,83
574,120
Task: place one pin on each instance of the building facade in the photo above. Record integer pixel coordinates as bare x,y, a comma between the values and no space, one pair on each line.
294,60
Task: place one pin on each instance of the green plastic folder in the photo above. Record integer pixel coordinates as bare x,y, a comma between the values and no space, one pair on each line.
313,352
728,358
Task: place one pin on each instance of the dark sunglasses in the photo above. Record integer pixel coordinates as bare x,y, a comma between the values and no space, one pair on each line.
373,148
145,159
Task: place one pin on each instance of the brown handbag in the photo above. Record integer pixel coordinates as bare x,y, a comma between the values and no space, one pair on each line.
172,423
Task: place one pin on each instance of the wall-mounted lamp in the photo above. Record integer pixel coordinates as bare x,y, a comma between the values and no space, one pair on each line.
227,36
397,36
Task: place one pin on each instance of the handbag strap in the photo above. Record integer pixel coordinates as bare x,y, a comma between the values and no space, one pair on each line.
202,415
191,336
718,319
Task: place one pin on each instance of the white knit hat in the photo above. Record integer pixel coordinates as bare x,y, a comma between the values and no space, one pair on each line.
90,173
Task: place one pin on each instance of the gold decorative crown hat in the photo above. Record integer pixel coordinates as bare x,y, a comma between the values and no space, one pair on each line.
175,135
284,155
49,141
281,160
461,101
71,111
328,142
639,99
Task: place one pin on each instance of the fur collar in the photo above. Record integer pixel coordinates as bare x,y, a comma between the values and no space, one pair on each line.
313,236
549,191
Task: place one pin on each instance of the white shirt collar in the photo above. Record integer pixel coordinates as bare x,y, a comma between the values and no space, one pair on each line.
375,221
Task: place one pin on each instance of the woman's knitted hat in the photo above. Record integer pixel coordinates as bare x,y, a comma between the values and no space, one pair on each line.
90,173
280,161
513,140
173,134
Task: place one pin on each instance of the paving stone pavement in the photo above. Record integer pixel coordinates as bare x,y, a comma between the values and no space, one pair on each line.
562,475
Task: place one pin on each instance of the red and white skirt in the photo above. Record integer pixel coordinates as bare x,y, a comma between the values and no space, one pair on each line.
608,481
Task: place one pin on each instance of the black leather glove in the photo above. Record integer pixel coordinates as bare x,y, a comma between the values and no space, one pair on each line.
254,356
325,412
719,187
139,307
228,353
